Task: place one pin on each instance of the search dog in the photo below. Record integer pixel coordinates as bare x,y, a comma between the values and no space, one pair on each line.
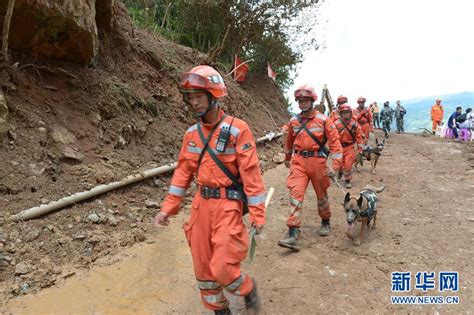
361,208
370,154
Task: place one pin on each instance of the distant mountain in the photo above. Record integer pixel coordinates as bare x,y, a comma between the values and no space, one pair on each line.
419,109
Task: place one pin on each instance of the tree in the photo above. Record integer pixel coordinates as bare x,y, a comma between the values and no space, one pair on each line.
261,30
6,28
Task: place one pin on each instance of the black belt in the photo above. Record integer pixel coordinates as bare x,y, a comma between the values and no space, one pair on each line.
307,153
216,193
346,144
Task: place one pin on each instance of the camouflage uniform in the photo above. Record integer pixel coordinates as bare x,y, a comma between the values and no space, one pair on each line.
386,116
400,111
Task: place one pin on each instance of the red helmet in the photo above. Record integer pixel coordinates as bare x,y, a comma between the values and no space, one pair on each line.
203,78
361,100
341,99
306,91
344,107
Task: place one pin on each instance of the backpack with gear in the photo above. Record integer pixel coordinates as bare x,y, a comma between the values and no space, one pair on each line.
461,118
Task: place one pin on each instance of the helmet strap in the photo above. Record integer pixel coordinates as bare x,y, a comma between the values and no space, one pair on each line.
212,103
309,108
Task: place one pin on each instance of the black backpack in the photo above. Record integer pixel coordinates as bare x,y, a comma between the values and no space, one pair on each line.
461,118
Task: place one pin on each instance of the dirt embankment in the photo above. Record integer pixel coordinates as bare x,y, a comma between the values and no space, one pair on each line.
73,127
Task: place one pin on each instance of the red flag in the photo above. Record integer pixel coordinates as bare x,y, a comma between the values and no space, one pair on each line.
272,74
240,70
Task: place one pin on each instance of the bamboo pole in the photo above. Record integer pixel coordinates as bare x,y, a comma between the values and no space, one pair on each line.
77,197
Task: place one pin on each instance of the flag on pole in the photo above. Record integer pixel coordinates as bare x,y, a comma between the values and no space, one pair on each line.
272,74
240,70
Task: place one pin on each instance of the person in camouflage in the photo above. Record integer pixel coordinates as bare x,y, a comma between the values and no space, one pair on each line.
386,116
400,112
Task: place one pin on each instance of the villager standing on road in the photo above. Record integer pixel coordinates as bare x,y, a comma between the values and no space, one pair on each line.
376,114
220,152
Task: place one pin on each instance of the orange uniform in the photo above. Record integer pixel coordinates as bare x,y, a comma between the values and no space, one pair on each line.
437,114
365,119
310,165
350,133
215,231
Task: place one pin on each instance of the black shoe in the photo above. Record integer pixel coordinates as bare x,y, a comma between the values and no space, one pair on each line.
292,241
225,311
325,228
252,301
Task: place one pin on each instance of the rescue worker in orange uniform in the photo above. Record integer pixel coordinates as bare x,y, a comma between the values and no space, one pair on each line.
335,113
437,114
215,231
350,134
306,156
364,118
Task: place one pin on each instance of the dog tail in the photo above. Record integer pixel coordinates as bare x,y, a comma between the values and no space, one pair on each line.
374,188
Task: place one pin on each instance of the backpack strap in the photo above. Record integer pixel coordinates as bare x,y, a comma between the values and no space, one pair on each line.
207,141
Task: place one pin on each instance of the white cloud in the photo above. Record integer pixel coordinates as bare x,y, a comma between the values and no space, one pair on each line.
386,50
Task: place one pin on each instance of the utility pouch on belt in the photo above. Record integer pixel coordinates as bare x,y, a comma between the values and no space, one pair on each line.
235,179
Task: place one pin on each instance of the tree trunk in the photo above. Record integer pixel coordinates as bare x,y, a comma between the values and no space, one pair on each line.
6,28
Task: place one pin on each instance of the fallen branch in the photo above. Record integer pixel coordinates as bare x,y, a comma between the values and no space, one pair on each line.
48,69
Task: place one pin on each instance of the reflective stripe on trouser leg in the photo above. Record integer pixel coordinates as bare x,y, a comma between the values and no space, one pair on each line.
214,299
295,212
242,284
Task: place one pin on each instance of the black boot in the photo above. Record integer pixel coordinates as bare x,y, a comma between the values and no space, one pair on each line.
252,301
225,311
292,241
325,228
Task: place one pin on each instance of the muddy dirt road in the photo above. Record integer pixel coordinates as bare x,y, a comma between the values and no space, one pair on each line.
426,223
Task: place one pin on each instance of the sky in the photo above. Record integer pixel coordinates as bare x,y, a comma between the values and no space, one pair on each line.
391,49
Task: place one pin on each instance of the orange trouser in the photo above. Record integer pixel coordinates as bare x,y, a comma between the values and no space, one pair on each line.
302,171
436,123
218,240
365,132
348,160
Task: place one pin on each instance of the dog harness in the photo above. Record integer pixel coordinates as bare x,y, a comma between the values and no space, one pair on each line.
372,199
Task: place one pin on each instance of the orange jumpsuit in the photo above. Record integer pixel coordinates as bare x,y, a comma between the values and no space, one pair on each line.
215,231
365,120
305,169
347,143
437,114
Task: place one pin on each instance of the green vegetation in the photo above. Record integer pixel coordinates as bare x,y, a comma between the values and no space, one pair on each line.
259,30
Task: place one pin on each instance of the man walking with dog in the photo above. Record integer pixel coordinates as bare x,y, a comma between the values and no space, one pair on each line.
306,156
350,134
220,152
364,118
437,114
